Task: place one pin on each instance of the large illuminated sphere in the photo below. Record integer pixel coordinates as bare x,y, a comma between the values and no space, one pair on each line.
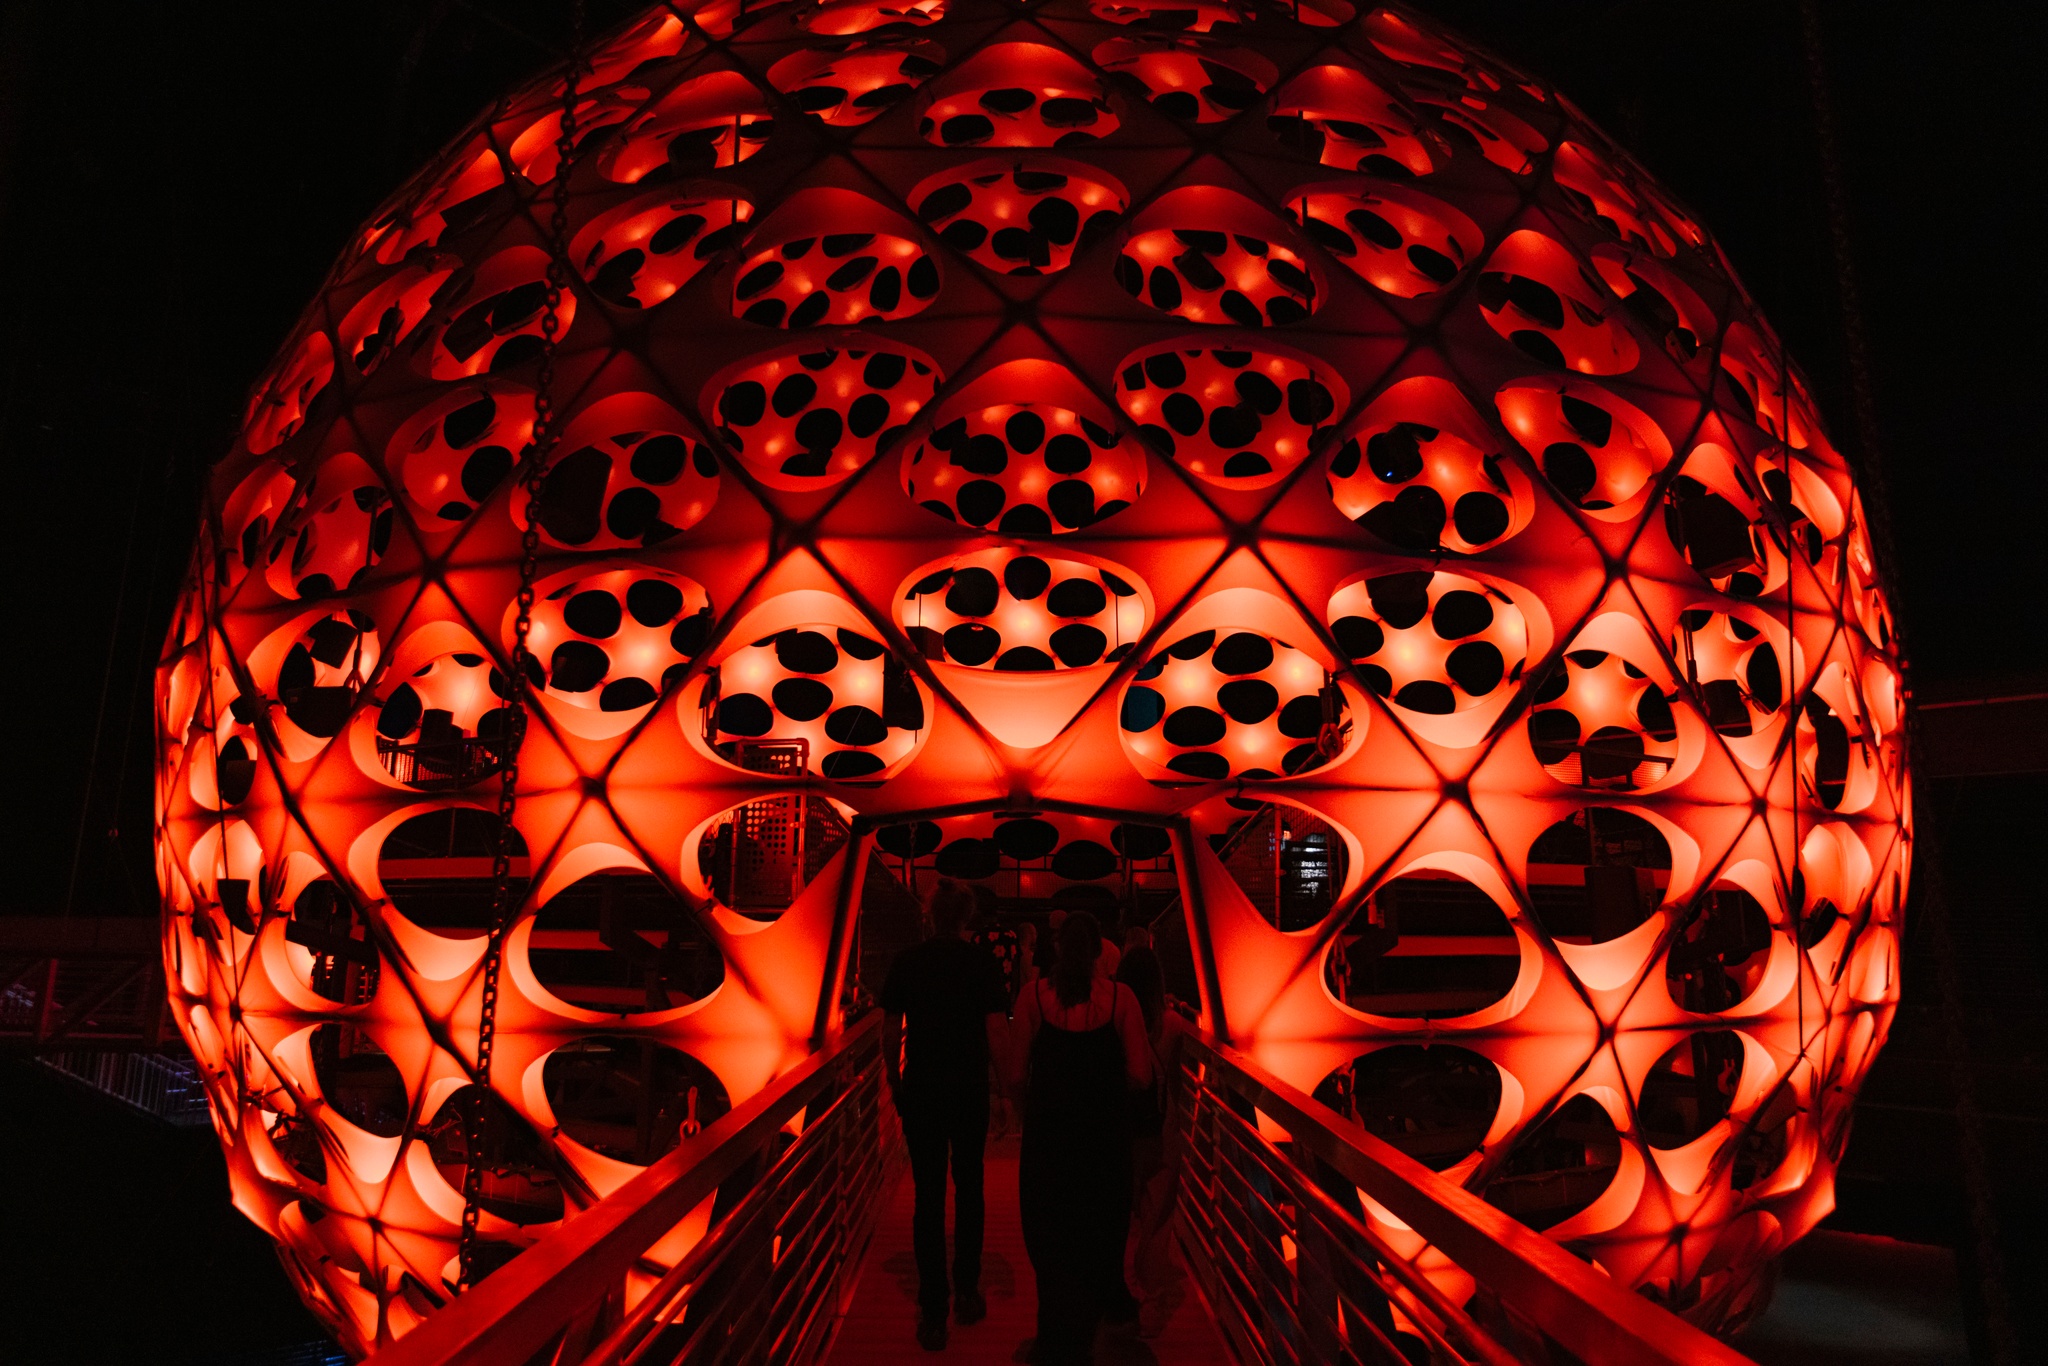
1010,431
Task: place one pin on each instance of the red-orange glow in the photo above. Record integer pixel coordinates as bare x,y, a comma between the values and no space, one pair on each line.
1388,524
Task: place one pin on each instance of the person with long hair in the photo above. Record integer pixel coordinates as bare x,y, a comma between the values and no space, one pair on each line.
1082,1036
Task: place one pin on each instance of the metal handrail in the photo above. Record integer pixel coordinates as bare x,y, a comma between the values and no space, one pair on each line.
1284,1258
803,1226
1223,852
443,765
1335,1298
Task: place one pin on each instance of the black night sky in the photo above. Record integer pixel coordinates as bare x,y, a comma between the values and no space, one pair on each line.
175,180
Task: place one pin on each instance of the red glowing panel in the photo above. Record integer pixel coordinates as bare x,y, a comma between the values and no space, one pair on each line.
1237,418
1026,469
469,187
1189,79
386,316
1429,641
428,728
1021,613
1598,191
1339,116
1197,17
1423,470
704,124
639,255
1501,138
1402,242
1210,276
535,148
1599,721
1597,450
1019,220
1282,419
1222,704
842,18
340,526
625,476
848,88
840,692
817,416
496,322
614,640
838,279
647,40
279,407
1663,304
1534,293
451,456
1018,95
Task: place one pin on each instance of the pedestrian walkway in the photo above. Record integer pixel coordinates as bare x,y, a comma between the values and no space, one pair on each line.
880,1327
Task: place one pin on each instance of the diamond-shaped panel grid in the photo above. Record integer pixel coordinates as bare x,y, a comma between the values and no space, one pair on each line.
1277,417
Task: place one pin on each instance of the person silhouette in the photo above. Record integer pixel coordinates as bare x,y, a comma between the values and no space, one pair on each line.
945,1013
1084,1037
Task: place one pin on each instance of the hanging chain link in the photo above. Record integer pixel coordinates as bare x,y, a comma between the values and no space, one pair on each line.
546,431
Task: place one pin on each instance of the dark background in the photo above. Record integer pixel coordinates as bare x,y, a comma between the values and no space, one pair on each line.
175,180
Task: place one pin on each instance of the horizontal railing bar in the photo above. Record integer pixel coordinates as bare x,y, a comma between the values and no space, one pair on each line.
1393,1266
1239,1284
516,1311
1347,1301
1441,1312
712,1251
1230,1277
798,1313
1587,1313
811,1292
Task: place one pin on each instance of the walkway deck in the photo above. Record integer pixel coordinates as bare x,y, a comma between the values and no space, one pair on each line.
880,1328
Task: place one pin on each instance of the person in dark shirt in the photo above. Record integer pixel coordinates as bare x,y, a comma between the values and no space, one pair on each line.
944,1011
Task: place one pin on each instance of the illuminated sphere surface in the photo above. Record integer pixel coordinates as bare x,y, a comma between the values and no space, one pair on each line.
1012,431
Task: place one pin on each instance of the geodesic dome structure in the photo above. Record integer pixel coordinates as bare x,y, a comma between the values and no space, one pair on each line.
1269,468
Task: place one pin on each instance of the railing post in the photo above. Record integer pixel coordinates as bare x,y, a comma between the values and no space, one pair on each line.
1195,908
845,915
46,1007
1321,1309
1337,1302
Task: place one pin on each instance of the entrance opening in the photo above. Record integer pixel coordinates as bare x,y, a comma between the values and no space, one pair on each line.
1433,1103
1690,1089
1029,869
333,929
1030,865
623,942
436,868
519,1185
359,1080
297,1140
1427,945
1560,1167
1597,875
759,857
631,1099
1719,953
1289,862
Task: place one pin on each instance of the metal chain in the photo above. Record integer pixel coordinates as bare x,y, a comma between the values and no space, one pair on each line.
546,431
